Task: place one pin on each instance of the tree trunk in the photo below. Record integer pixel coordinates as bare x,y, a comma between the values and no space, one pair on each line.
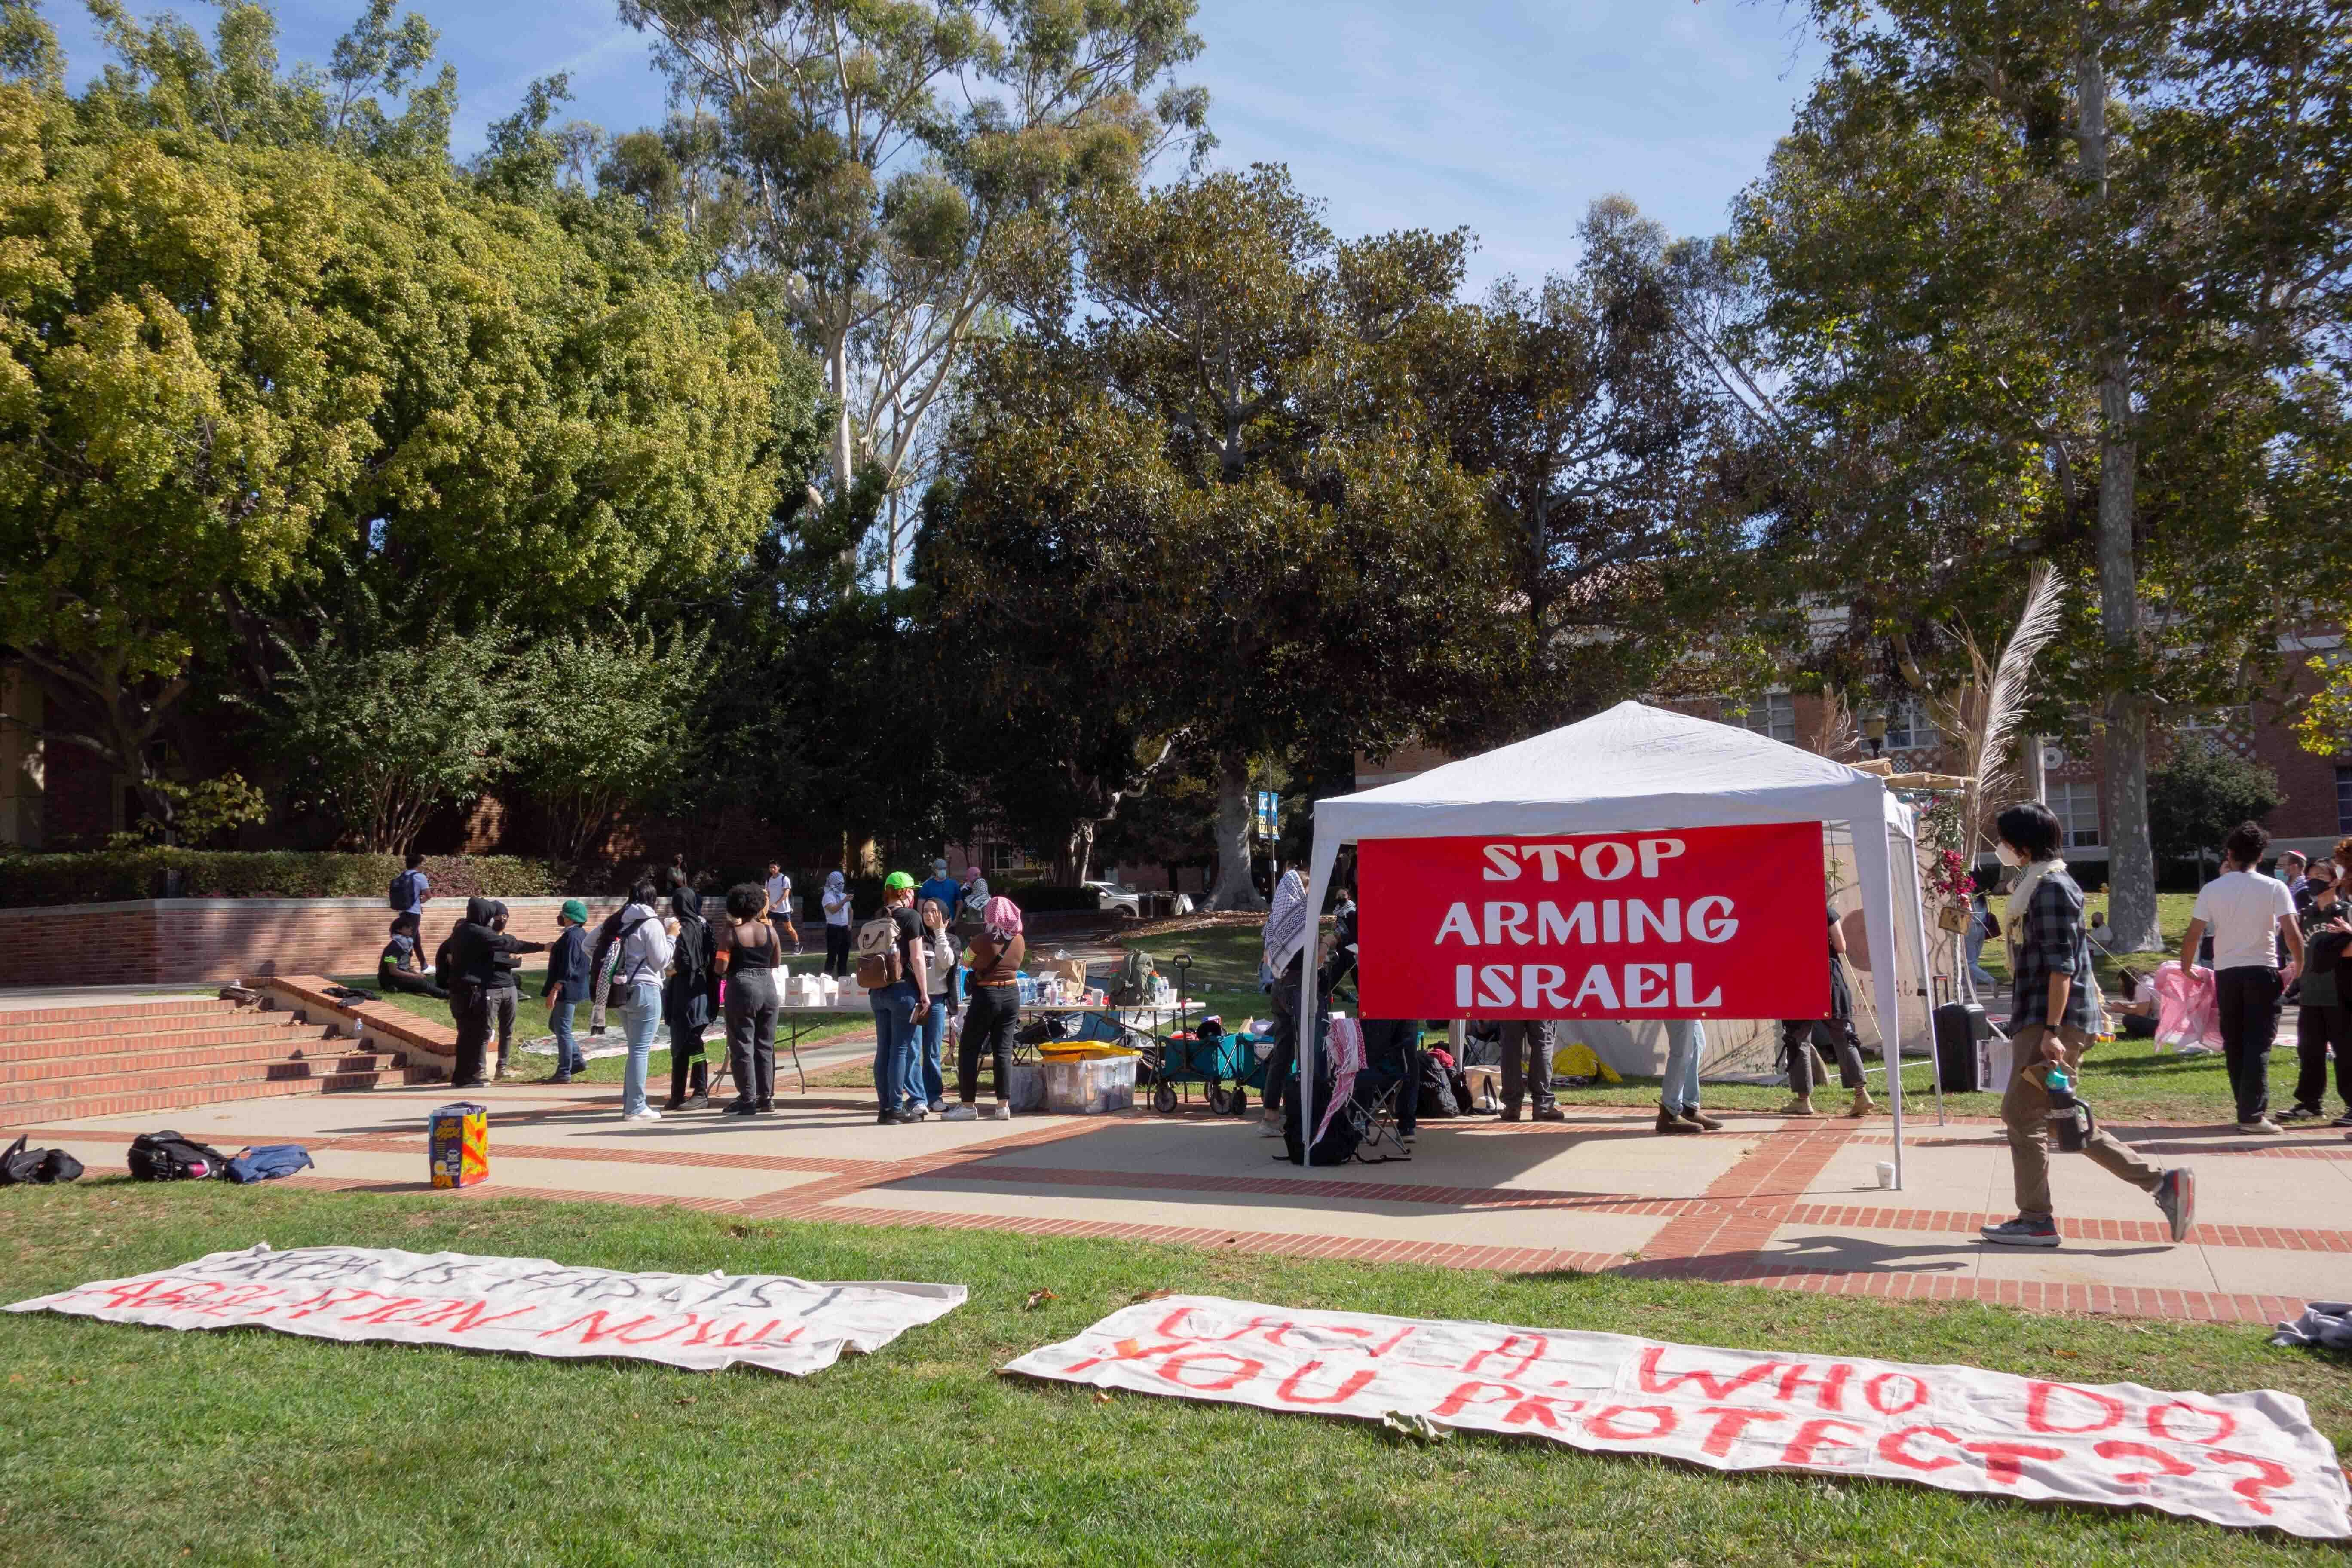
2131,859
1235,890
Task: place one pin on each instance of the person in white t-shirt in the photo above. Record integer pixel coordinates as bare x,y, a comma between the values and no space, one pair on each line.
2247,913
780,901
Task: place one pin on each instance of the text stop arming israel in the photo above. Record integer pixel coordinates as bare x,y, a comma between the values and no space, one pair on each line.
1701,922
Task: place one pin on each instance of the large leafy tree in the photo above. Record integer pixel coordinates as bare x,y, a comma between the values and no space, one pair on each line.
899,169
600,725
2057,280
251,332
1213,505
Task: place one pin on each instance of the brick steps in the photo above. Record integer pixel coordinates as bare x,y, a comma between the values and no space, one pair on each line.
277,1029
92,1023
63,1064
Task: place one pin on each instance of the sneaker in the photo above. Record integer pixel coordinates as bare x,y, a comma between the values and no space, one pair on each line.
2300,1113
1003,1112
915,1113
937,1108
890,1119
1550,1114
1269,1126
740,1108
2176,1195
647,1114
2022,1232
960,1113
697,1102
2263,1127
560,1078
765,1108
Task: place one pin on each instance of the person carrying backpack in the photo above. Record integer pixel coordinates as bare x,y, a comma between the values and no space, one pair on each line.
410,889
689,998
892,968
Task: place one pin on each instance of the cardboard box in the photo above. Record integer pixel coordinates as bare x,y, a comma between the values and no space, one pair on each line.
458,1144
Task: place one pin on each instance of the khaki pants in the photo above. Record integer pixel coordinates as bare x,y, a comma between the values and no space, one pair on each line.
2025,1110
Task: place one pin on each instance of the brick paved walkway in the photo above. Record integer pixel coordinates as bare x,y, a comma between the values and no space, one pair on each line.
1786,1204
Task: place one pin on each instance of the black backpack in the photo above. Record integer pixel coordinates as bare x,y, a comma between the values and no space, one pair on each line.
1436,1090
1339,1142
21,1166
168,1157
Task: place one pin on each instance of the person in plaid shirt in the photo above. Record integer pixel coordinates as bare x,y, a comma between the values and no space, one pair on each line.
2052,1015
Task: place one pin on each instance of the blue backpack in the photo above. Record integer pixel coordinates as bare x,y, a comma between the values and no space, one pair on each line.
267,1162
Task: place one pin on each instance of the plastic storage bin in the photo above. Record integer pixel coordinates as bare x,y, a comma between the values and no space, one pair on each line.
1089,1087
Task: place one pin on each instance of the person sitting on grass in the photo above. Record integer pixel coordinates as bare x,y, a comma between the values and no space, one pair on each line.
2049,1026
400,967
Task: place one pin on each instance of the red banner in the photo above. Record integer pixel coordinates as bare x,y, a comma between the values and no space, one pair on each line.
1698,922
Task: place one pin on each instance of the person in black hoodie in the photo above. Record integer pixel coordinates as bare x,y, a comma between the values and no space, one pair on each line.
505,991
470,962
687,998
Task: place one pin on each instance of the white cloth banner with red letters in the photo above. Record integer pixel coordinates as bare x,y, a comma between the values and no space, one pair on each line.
2245,1459
524,1305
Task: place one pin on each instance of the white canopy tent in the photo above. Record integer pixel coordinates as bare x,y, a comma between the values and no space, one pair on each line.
1636,768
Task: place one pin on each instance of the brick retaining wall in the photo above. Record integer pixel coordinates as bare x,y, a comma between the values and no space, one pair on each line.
173,942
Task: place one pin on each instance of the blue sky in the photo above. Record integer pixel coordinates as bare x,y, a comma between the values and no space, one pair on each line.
1506,116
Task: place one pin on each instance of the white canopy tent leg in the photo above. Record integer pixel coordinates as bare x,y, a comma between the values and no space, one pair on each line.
1907,857
1871,834
1322,857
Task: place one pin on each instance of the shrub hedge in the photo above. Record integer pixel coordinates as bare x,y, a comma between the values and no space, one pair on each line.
106,876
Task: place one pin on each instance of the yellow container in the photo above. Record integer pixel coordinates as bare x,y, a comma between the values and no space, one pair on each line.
1091,1051
458,1144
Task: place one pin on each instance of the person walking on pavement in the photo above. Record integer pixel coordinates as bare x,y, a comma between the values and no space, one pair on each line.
778,888
836,908
567,987
2247,913
2050,1027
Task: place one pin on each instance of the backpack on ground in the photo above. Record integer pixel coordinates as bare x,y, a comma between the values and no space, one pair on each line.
1337,1144
266,1164
1435,1091
168,1157
879,960
23,1167
403,886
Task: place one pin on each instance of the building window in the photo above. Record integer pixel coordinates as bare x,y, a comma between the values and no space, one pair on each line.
2344,800
2076,803
1908,727
1773,715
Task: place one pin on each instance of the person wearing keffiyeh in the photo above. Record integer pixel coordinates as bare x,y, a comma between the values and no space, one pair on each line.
1285,961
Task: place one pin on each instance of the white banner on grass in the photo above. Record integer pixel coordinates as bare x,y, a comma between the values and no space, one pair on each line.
2246,1459
524,1305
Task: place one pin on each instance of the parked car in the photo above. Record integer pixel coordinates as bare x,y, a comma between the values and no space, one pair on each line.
1118,899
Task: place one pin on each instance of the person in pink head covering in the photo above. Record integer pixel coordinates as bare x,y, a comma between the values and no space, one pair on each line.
996,954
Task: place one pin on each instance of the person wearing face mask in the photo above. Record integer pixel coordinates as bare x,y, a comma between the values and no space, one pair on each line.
2051,1018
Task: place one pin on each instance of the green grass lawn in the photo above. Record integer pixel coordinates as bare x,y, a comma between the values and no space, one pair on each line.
2127,1080
133,1445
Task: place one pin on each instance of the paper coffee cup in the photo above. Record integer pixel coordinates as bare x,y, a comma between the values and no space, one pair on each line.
1886,1174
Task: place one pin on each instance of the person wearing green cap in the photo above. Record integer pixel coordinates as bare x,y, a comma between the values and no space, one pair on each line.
898,1004
567,987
